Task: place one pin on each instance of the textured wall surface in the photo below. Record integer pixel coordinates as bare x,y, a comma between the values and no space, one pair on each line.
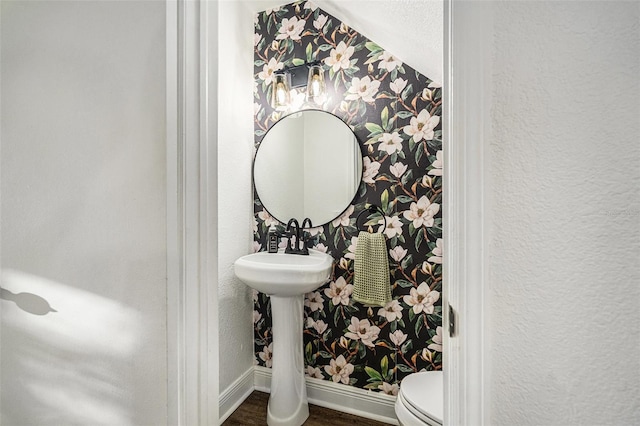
565,269
235,147
83,213
394,112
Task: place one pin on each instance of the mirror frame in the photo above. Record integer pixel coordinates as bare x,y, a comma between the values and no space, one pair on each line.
259,145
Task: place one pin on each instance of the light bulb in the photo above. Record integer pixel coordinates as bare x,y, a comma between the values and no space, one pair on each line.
280,96
315,82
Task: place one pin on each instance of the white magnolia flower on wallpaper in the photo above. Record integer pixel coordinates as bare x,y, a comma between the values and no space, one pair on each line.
339,292
398,85
370,170
437,340
437,165
319,22
434,85
344,218
268,69
362,330
421,127
284,242
266,355
397,337
421,299
256,39
256,108
314,301
422,212
352,248
390,142
256,316
392,311
315,231
389,389
320,247
314,372
340,57
388,62
310,5
254,224
267,218
291,28
437,252
271,10
398,253
362,88
394,226
319,326
256,246
254,295
339,370
398,169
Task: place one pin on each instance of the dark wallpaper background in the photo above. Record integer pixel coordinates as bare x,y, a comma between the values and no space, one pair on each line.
394,112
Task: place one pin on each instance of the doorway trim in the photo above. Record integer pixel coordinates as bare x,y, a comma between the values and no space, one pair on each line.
467,119
191,158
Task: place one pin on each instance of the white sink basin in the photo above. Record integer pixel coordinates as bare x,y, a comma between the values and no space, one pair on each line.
283,274
286,278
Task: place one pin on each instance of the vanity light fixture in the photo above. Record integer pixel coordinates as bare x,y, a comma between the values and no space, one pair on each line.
286,82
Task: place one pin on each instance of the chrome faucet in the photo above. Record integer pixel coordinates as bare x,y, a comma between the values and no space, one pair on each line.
301,244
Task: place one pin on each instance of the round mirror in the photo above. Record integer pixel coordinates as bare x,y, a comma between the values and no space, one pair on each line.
309,164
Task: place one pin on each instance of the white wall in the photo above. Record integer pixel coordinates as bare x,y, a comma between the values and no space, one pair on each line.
83,213
235,198
412,30
565,246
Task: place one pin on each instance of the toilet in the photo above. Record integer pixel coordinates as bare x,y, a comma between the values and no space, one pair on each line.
421,400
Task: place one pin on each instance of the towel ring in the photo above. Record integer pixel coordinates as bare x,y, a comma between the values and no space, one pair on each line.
372,209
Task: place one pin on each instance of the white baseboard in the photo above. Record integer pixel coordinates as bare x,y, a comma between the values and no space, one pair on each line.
348,399
235,394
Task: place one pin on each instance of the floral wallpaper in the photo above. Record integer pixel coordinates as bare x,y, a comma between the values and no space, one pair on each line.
395,113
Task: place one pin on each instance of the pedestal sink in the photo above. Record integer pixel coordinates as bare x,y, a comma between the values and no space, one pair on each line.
286,278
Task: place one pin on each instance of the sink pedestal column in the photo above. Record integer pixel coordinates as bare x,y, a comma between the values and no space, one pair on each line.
288,404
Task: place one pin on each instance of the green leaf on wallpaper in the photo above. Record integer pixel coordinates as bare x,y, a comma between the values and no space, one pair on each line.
384,200
297,62
404,198
408,345
362,350
412,229
336,316
404,283
412,144
325,354
309,52
406,262
405,368
373,128
419,239
373,47
404,114
308,351
384,365
405,94
325,47
372,373
412,315
419,153
384,116
419,324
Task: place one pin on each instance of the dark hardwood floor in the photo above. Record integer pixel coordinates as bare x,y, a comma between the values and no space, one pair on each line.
253,411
